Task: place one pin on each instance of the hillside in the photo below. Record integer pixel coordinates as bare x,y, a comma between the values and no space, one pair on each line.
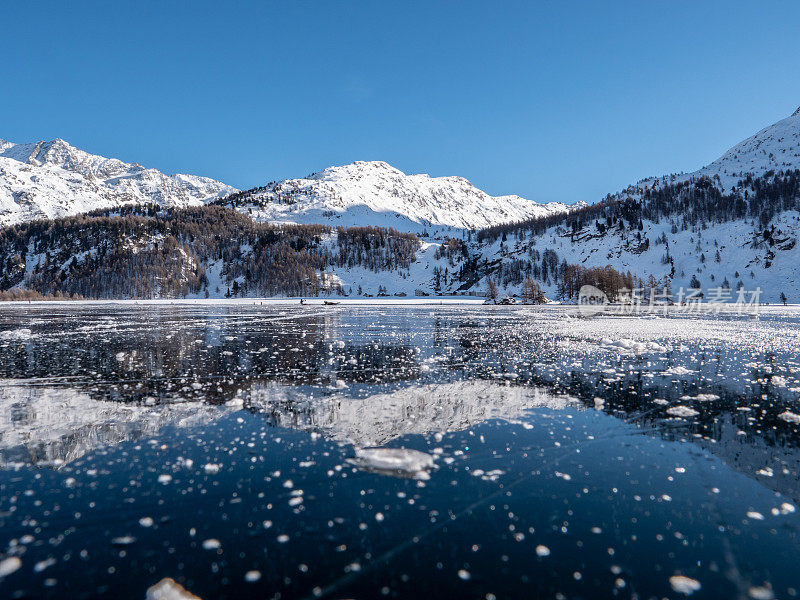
53,179
377,194
205,251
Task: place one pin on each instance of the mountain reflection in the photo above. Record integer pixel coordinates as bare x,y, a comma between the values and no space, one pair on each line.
82,378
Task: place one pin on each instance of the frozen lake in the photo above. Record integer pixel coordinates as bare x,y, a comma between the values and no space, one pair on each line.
222,445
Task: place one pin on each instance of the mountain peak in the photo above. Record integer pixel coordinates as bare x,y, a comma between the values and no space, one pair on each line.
55,151
797,112
356,169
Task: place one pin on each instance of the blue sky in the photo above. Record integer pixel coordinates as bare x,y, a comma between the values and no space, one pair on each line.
553,101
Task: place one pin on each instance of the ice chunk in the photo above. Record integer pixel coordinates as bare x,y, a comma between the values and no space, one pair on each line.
124,540
678,370
9,565
684,585
169,589
682,411
402,461
760,592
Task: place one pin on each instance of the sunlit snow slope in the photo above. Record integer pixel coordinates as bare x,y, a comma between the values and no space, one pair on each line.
758,250
774,148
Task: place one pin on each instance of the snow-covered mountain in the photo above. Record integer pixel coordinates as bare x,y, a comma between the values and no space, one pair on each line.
375,193
53,179
731,223
774,148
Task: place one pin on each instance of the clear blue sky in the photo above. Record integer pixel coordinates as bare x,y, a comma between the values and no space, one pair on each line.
553,101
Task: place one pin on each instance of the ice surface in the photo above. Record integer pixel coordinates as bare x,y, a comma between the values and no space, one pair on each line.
239,450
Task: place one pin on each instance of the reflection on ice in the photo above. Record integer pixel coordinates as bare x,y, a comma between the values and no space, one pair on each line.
378,418
51,426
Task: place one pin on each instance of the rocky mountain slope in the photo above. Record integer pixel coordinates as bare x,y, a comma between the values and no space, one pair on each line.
53,179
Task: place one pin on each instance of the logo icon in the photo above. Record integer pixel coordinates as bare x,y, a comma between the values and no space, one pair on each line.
591,301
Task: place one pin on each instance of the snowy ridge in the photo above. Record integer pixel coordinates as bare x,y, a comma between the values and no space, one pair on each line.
375,193
774,148
53,179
